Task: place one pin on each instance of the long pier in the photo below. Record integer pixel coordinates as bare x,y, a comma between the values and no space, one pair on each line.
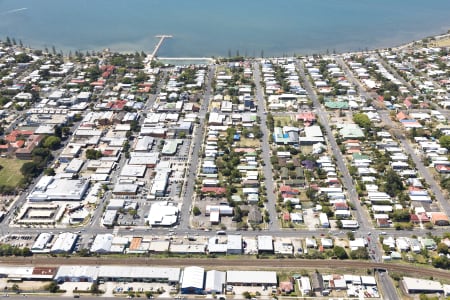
161,37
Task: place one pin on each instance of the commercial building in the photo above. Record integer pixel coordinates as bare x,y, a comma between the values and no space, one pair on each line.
192,280
64,243
160,183
163,214
252,278
234,244
416,286
50,188
215,281
27,273
40,245
170,147
138,273
117,274
109,218
102,243
265,244
76,274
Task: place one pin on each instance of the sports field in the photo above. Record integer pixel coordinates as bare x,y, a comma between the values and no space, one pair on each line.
10,172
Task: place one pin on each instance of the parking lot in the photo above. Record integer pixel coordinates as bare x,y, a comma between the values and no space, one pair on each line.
112,288
20,241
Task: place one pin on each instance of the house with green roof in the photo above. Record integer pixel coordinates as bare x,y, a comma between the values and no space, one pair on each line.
351,131
336,104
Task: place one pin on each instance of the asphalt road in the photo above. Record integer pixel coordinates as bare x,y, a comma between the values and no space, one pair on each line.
266,153
361,215
196,146
389,291
423,171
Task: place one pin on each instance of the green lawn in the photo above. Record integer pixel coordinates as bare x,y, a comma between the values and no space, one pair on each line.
284,120
10,173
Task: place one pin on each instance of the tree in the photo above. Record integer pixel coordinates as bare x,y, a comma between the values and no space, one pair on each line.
94,288
196,211
327,210
49,172
237,214
30,169
401,215
339,224
22,58
340,252
93,154
441,262
362,120
288,205
350,236
133,213
393,183
26,252
445,141
360,253
52,287
52,142
58,131
84,252
442,248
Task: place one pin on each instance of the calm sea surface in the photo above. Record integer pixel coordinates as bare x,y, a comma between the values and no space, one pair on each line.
211,27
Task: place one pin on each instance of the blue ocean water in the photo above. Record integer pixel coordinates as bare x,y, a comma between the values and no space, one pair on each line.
211,28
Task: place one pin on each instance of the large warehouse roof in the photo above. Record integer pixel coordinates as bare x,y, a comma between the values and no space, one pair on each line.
193,277
252,277
64,242
215,281
421,285
169,274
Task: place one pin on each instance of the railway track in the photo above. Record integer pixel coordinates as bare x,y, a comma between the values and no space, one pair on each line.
226,263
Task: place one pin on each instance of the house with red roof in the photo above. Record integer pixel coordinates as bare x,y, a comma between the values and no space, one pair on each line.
442,169
287,191
402,116
340,206
306,117
31,143
407,103
15,134
419,218
439,219
118,104
5,148
383,223
213,190
99,83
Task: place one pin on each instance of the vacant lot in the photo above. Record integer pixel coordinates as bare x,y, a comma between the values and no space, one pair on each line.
248,142
10,172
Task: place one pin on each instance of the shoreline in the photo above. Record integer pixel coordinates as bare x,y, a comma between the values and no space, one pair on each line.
121,48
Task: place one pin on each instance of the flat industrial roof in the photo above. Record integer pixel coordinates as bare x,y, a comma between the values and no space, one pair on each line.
252,277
